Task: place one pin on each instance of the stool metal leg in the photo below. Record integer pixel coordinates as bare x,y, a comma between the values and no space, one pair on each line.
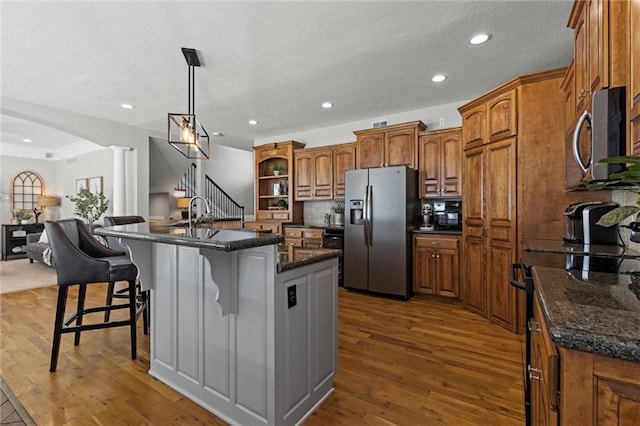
57,326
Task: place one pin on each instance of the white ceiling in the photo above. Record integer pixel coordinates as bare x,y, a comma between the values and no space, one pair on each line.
275,62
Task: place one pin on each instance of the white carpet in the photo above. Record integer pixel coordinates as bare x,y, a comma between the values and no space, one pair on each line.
19,274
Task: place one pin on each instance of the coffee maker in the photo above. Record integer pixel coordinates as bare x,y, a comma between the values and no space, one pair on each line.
427,217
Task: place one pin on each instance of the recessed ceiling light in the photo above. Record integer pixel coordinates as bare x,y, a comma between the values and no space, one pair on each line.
479,38
217,134
127,106
438,78
327,105
253,122
27,140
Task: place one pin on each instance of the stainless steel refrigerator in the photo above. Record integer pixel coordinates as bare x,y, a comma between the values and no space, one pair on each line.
381,209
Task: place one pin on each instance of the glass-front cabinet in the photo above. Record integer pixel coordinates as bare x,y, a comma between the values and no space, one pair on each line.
274,172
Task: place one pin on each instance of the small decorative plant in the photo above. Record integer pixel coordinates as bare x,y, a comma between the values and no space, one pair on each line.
628,180
281,203
277,169
89,206
21,215
338,208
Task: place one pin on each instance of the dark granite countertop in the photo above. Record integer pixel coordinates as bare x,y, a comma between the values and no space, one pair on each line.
218,239
316,226
290,257
436,232
598,313
559,246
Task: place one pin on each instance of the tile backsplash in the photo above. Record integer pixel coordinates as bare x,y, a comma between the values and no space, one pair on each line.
314,212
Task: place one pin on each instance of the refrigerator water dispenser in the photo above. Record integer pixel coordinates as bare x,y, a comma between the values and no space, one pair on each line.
355,212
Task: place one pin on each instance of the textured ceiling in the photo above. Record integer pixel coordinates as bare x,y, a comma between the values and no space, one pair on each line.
275,62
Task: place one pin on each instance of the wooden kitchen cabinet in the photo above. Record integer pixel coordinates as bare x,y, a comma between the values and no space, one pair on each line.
600,48
344,158
493,120
489,226
570,387
314,174
510,185
394,145
633,88
436,265
303,237
274,192
320,171
439,161
543,372
502,118
568,86
274,227
597,390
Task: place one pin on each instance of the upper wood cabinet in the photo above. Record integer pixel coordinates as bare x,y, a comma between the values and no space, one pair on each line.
491,121
274,175
344,158
439,160
389,146
568,86
320,171
600,47
502,118
314,174
633,88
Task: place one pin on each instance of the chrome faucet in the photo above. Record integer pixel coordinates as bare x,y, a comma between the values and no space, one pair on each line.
206,203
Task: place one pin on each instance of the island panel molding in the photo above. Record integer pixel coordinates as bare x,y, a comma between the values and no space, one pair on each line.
225,331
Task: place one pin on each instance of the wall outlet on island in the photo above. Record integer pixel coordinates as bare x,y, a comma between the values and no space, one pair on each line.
441,121
292,299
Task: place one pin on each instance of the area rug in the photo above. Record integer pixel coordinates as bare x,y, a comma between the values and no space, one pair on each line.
11,411
19,274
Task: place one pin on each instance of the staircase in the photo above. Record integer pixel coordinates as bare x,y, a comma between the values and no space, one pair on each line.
223,207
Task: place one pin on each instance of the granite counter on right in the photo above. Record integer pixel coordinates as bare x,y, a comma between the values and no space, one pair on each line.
599,314
585,348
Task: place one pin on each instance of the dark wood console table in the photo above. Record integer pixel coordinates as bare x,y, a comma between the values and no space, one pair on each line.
14,239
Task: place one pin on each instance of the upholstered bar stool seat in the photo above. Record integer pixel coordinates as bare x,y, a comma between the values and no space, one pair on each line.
81,260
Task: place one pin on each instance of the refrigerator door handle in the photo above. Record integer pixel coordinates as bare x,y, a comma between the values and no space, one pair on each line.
364,217
367,223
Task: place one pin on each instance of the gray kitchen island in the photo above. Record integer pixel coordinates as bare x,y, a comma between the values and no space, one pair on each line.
240,325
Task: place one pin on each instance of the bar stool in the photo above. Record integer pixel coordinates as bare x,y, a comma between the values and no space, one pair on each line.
112,292
81,260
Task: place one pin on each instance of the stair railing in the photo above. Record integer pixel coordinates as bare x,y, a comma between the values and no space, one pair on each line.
222,205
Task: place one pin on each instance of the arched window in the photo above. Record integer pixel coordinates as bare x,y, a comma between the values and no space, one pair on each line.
26,187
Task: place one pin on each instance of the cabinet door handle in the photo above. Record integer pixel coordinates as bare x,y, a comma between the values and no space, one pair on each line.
534,326
532,376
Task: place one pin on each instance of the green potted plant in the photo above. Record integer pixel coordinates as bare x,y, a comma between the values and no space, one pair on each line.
338,213
89,206
628,180
22,216
277,169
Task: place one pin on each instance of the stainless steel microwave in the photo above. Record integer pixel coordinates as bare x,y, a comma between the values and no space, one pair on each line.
607,123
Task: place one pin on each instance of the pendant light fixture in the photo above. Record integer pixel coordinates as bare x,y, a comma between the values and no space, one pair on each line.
186,134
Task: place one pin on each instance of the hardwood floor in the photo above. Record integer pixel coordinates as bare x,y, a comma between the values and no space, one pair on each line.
405,363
